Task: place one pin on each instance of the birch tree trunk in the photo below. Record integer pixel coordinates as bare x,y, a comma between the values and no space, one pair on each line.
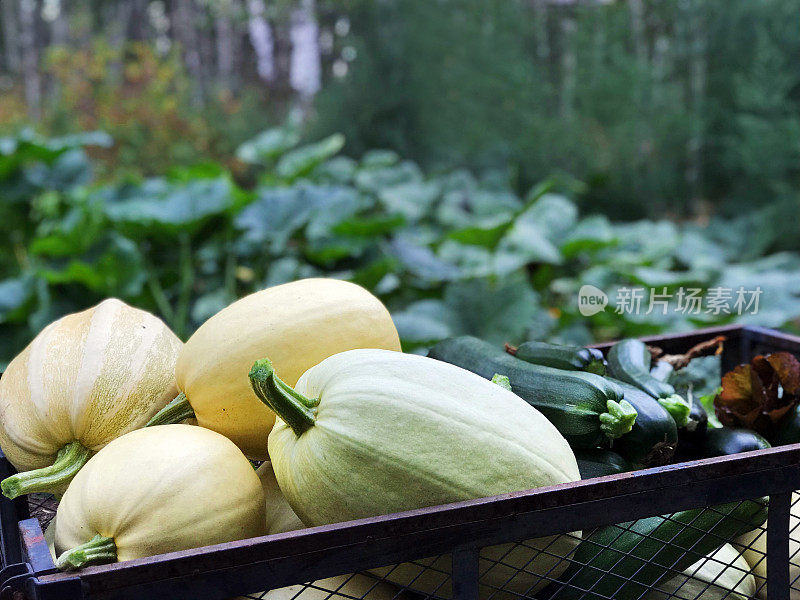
10,36
30,58
59,23
262,39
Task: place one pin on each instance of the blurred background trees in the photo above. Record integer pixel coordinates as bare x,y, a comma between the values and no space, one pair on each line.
473,162
679,108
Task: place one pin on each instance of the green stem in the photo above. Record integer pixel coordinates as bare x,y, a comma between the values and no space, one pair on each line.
176,411
187,282
299,412
49,480
677,407
159,296
618,420
502,380
97,551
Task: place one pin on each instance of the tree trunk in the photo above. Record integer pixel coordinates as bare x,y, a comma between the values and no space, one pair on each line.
30,58
697,86
225,42
184,28
262,40
10,36
540,24
305,69
138,22
569,64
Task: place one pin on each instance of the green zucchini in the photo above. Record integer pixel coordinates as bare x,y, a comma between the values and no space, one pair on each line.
629,360
598,462
625,560
587,409
661,370
569,358
724,441
653,438
692,437
789,429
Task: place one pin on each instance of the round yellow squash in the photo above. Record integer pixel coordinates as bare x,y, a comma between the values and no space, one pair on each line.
156,490
370,432
86,379
297,325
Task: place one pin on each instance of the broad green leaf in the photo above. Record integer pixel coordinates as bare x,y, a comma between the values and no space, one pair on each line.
378,159
413,199
498,310
302,161
423,323
15,296
179,207
376,180
421,262
111,267
590,233
268,145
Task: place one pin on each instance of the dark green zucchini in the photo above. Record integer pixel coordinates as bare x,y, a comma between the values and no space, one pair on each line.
629,360
598,462
569,358
723,441
625,560
661,370
587,409
789,430
692,436
653,438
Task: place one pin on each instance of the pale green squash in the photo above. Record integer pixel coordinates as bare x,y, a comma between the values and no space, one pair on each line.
370,432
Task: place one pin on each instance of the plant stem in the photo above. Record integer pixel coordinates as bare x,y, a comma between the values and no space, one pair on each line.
159,296
98,550
502,381
176,411
187,281
677,407
299,412
619,419
50,480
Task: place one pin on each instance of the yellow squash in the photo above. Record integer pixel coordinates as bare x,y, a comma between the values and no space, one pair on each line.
84,380
156,490
296,324
370,432
753,546
280,516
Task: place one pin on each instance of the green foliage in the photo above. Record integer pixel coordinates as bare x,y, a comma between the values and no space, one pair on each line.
449,253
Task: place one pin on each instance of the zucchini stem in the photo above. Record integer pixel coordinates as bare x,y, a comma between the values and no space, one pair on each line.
99,550
299,412
502,380
678,409
618,420
176,411
48,480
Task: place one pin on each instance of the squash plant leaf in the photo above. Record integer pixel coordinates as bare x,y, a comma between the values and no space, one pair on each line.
301,161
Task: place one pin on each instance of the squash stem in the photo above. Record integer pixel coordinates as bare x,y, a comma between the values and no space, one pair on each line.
176,411
619,419
677,407
502,380
99,550
49,480
299,412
